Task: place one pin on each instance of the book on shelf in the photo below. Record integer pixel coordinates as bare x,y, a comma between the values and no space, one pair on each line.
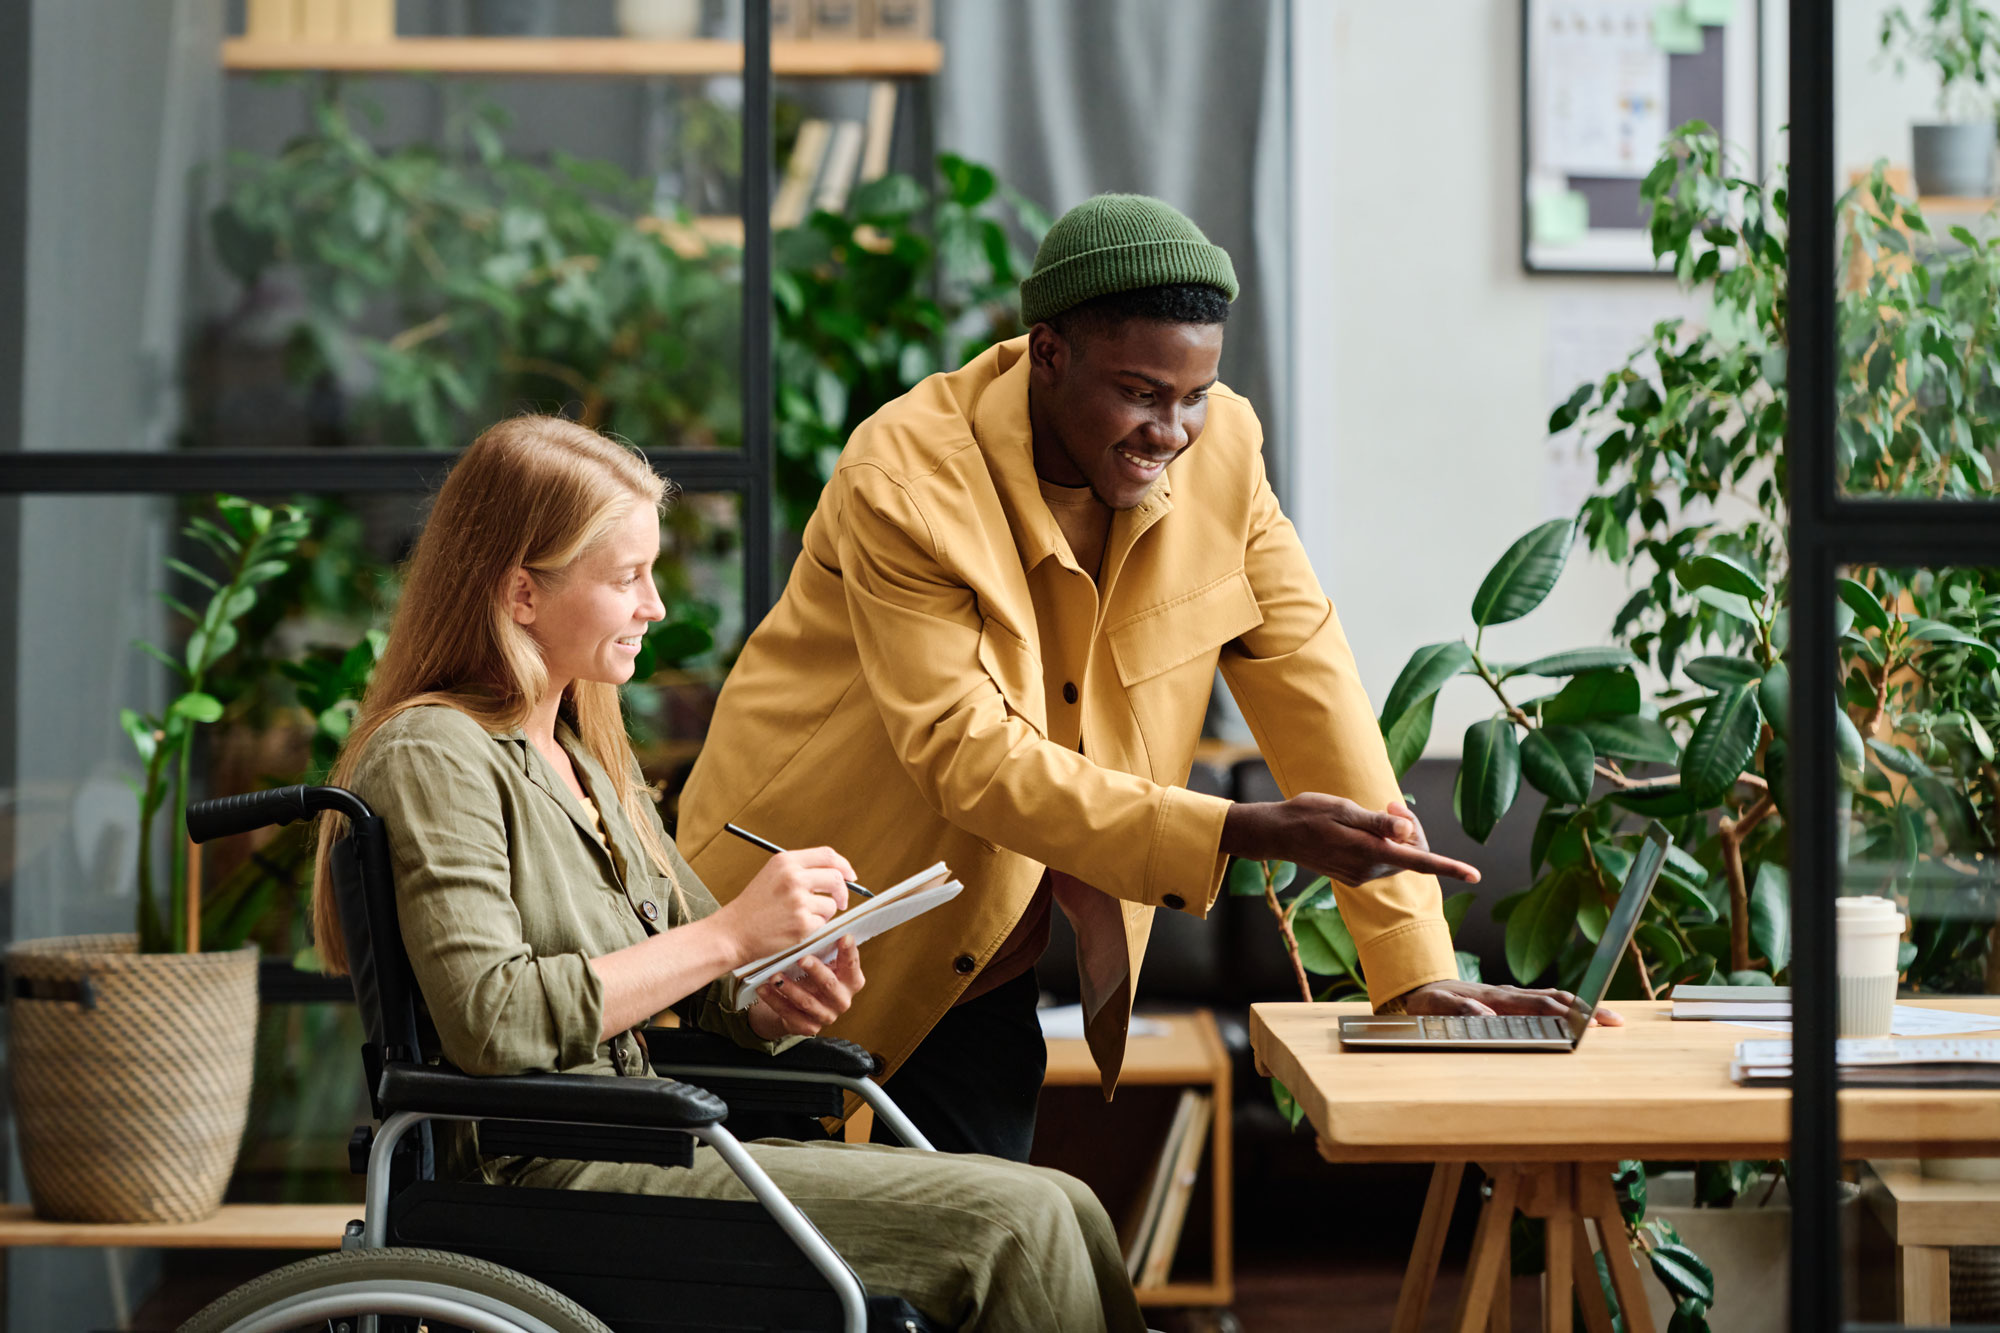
1166,1237
898,20
843,155
788,207
791,20
836,20
1883,1062
319,20
881,130
1144,1219
864,920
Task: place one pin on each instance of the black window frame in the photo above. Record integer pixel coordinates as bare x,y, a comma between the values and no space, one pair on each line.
746,471
1829,530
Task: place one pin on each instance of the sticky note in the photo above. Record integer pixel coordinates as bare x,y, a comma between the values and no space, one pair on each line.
1674,32
1711,12
1559,217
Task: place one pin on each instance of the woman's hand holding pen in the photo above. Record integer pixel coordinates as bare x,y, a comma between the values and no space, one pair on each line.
801,1003
790,898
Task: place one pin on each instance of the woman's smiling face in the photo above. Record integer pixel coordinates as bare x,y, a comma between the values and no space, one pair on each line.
590,619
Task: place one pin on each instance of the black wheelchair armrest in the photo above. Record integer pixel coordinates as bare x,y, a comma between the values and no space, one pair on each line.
814,1055
572,1099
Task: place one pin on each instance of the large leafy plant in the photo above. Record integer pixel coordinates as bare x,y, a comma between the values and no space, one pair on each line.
251,545
1960,39
447,285
1683,718
1683,715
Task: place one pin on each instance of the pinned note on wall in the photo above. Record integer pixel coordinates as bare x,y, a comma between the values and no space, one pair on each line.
1675,31
1710,13
1559,217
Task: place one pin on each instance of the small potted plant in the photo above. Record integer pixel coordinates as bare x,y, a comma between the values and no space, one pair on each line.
1962,39
131,1055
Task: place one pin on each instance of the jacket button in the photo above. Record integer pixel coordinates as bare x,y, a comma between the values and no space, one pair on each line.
1174,901
650,912
1069,692
965,962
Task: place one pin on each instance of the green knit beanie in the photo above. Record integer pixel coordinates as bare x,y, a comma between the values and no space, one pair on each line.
1119,243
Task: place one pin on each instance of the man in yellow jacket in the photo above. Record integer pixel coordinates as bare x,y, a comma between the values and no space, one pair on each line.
996,650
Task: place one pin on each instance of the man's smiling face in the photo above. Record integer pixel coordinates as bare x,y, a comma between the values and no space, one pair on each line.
1113,404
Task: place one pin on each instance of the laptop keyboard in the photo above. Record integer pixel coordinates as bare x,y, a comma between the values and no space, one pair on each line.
1496,1027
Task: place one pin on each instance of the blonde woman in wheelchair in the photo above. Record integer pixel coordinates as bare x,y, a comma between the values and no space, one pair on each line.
548,917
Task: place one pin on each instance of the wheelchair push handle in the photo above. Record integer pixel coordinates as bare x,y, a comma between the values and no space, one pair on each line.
226,815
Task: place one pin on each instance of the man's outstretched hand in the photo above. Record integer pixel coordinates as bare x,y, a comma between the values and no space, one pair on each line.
1333,836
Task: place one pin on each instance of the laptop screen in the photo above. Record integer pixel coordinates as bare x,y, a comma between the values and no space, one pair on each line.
1639,881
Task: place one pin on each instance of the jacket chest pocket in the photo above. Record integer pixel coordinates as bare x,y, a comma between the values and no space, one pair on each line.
1192,626
1017,671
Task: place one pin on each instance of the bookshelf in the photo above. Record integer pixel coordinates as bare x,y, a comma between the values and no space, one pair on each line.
820,59
1189,1054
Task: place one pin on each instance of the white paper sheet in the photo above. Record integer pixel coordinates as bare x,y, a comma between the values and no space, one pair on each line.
1913,1021
1603,86
1065,1022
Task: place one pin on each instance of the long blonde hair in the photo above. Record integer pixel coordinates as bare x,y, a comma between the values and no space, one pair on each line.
533,492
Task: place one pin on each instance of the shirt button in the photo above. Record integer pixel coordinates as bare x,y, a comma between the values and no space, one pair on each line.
1069,692
965,962
650,912
1174,901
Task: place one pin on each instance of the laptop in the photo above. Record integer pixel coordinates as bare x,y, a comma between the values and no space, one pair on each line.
1522,1032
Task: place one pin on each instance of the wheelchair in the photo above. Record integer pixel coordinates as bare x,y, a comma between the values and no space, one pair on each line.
430,1255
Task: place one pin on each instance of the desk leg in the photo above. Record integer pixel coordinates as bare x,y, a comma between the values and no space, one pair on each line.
1559,1252
1923,1285
1421,1275
1589,1291
1486,1266
1595,1198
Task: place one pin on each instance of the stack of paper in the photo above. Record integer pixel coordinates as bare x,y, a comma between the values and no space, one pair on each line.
864,921
1924,1062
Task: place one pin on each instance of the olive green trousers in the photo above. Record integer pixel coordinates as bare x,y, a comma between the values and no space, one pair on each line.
976,1243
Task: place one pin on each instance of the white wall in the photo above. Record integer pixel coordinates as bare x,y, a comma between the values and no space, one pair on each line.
1427,361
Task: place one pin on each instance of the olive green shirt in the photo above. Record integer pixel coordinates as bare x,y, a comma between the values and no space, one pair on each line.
506,891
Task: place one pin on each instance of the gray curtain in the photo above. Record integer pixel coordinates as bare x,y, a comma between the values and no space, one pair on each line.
1187,100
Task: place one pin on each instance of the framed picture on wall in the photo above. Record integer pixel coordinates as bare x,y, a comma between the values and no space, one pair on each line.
1603,83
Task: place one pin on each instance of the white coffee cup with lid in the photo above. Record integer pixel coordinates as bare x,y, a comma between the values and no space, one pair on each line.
1869,934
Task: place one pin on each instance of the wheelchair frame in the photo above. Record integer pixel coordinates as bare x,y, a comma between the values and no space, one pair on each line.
541,1114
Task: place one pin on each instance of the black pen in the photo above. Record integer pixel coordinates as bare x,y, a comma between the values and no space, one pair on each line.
769,846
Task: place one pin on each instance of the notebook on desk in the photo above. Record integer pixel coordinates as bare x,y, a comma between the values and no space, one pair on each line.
1521,1032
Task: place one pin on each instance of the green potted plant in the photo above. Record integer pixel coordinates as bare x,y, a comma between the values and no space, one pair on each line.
1683,715
1961,39
442,286
130,1059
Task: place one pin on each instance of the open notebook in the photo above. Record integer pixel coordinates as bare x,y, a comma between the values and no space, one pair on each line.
864,921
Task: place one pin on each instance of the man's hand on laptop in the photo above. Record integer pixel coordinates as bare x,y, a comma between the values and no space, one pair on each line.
1334,836
1475,997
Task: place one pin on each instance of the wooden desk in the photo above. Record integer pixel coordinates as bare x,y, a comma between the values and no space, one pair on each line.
1544,1125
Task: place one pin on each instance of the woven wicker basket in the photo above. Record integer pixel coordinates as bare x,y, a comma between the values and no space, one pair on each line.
131,1076
1975,1283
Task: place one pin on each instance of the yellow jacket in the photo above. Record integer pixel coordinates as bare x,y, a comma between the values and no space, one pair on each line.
940,682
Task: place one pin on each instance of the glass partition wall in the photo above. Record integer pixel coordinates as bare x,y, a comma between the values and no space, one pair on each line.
1894,623
339,385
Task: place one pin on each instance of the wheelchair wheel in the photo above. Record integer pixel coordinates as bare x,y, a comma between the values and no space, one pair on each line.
361,1291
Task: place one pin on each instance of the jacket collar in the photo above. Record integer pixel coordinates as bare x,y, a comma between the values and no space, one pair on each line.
537,769
1007,440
